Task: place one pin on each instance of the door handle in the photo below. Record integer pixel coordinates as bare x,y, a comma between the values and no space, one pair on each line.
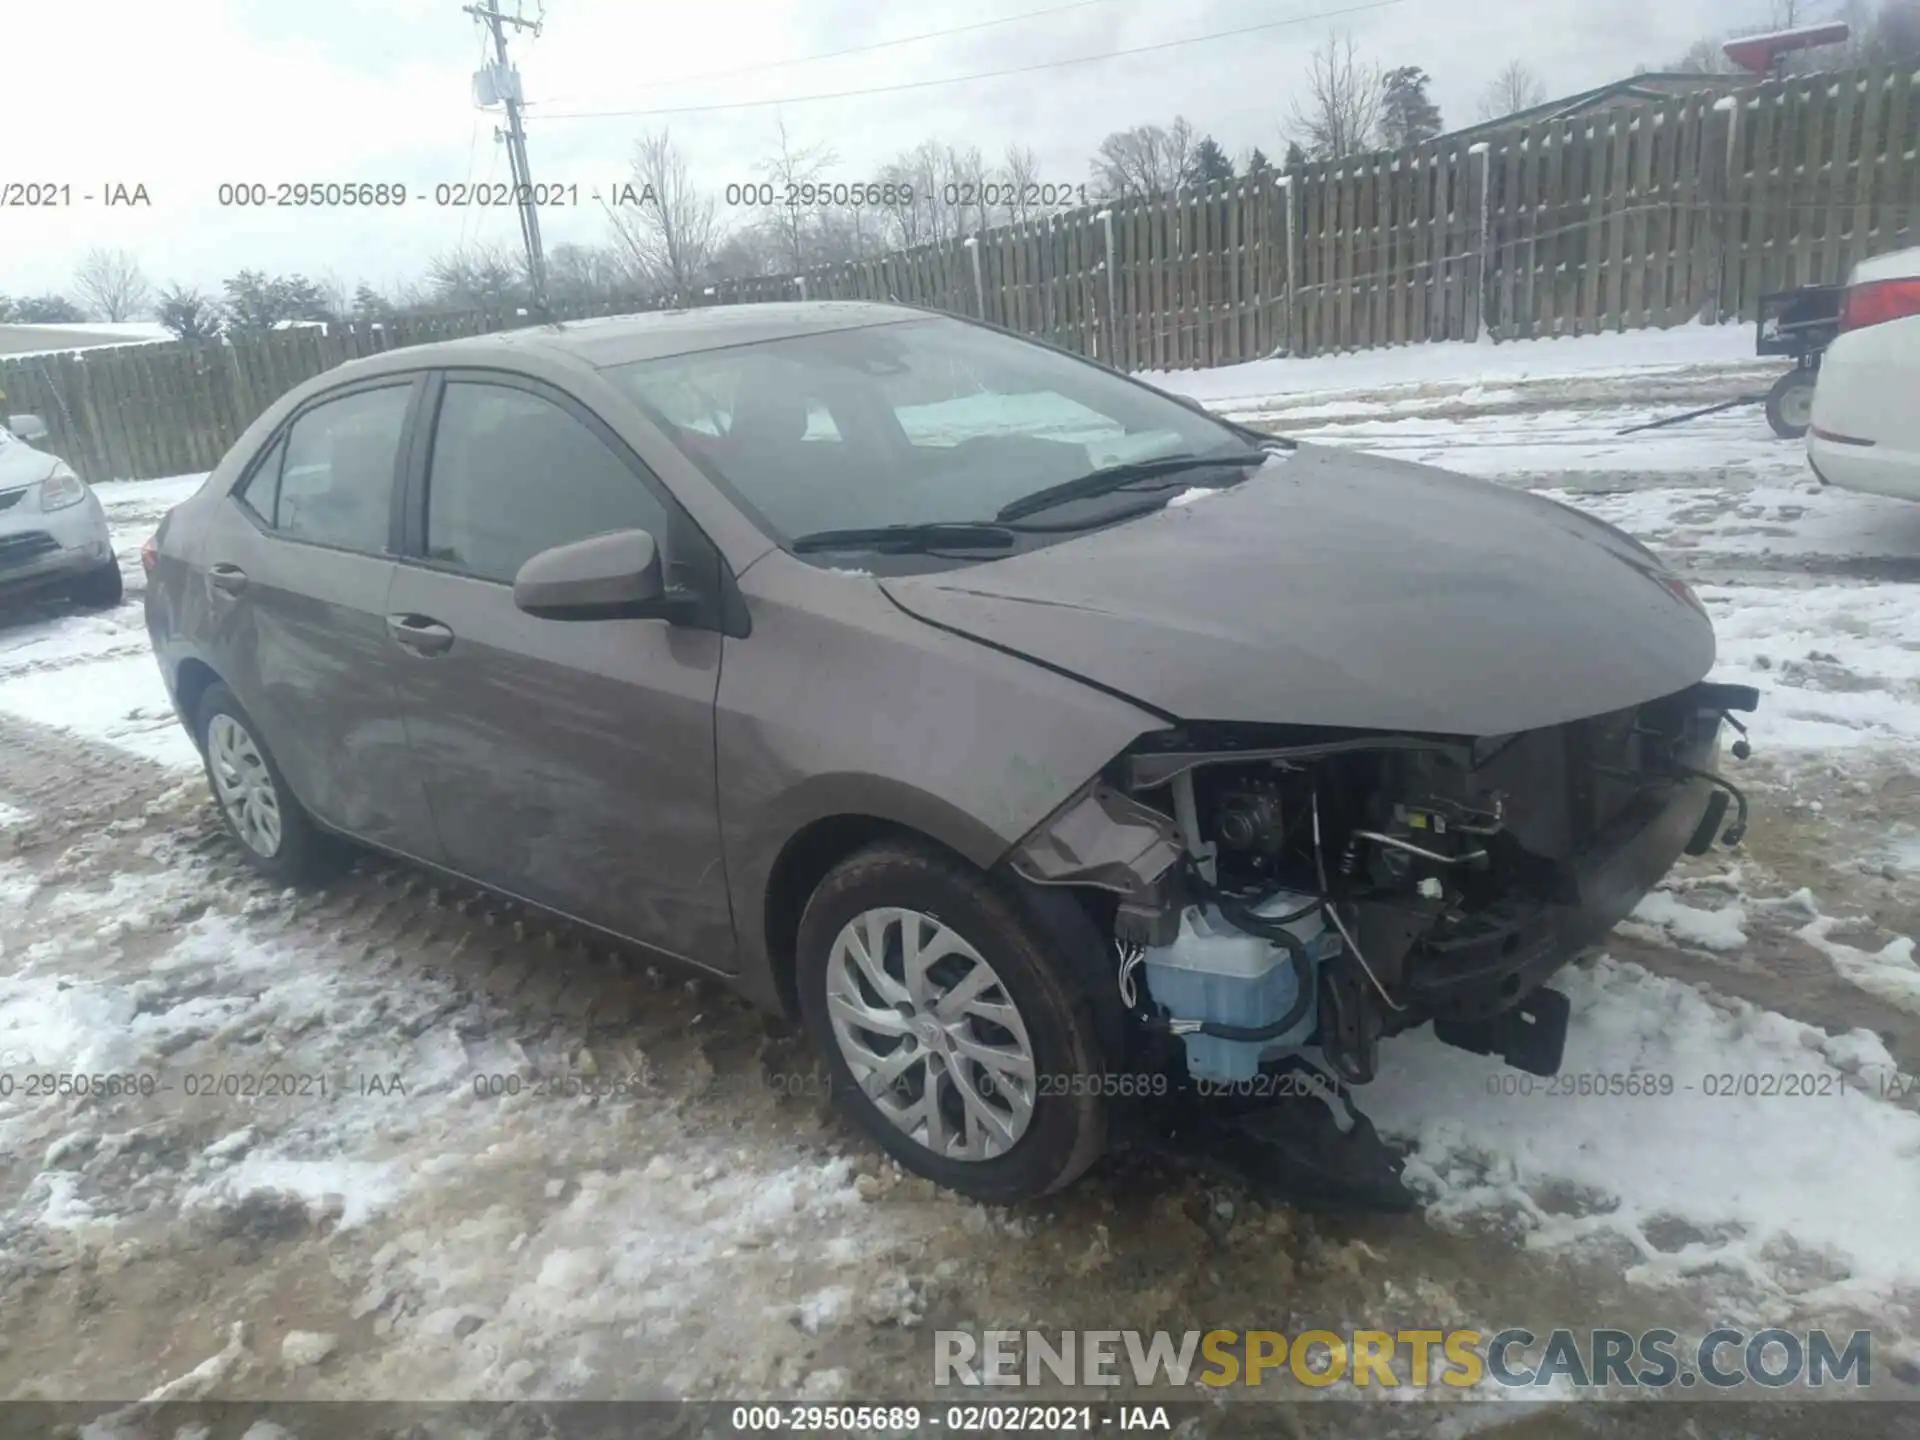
420,634
230,578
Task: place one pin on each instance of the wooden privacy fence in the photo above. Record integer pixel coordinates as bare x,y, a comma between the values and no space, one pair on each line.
174,408
1646,215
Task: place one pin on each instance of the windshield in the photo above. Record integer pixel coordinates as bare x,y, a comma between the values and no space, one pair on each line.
929,420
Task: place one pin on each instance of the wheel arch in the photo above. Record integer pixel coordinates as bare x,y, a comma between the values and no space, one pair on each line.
1074,918
812,850
191,681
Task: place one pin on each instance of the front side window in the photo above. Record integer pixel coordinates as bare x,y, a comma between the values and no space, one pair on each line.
902,424
513,474
330,480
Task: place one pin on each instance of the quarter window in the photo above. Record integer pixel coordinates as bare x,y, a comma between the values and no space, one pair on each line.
514,474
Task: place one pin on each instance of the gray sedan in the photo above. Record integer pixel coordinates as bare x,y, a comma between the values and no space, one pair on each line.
53,533
1059,754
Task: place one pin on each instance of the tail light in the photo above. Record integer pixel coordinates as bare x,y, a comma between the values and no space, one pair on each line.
149,554
1878,302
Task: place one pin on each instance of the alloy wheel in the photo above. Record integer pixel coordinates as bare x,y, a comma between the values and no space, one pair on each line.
244,785
931,1034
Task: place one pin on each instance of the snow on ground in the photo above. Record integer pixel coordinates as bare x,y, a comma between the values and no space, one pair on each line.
1636,352
681,1216
93,674
1764,1215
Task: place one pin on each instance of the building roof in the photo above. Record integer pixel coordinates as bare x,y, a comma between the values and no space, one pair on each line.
1652,85
35,339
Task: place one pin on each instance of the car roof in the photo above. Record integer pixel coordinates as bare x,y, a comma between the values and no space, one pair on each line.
621,339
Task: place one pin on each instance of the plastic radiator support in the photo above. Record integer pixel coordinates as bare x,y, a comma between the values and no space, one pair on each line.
1212,971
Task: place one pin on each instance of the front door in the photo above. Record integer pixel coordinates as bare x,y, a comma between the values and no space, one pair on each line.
567,761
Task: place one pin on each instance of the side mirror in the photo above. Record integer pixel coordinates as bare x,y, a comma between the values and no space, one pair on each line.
616,576
27,427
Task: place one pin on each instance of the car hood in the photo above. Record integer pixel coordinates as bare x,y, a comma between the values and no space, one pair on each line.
1343,589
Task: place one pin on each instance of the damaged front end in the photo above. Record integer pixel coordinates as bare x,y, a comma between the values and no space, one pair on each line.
1275,894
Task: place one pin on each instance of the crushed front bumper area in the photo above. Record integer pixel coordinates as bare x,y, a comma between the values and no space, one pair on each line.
1509,949
1460,873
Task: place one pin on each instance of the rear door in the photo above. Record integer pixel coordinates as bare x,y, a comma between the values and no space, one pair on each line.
297,567
567,761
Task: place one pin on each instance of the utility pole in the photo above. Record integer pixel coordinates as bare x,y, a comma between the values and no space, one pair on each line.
507,88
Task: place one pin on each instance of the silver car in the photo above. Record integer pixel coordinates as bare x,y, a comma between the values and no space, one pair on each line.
53,532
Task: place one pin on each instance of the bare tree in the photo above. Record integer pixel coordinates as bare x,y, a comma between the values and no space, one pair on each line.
790,168
748,251
1340,112
945,187
963,179
111,285
588,272
334,292
906,209
1146,160
1019,177
1514,89
669,232
476,276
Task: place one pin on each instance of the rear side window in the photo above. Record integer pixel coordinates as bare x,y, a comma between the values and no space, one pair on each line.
514,474
331,479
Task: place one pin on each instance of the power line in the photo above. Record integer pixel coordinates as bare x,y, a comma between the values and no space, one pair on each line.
968,79
877,44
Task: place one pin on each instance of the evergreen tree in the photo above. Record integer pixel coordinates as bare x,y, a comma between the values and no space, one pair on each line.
1210,163
1407,116
44,310
189,314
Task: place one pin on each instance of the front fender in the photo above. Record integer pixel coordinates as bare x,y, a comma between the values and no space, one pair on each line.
840,704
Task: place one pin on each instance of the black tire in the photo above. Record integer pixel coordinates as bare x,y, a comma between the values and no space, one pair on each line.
1790,404
304,852
1067,1130
101,589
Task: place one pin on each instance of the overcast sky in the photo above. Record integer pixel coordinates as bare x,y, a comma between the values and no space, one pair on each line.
182,96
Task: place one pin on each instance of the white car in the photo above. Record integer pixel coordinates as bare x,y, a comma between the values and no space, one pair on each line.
1866,405
53,533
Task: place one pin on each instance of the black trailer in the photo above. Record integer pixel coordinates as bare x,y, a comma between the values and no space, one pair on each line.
1800,323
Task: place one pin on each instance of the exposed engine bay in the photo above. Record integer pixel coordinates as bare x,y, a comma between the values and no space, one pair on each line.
1276,893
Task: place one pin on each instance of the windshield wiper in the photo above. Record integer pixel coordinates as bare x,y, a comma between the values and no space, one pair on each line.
903,539
1119,477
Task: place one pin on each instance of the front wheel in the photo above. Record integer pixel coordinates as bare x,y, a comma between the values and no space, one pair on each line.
1790,404
951,1033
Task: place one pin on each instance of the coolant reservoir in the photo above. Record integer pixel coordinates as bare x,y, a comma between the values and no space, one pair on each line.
1214,971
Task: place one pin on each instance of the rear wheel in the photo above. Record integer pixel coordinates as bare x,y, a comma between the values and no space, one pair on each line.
951,1033
1790,404
102,588
277,837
